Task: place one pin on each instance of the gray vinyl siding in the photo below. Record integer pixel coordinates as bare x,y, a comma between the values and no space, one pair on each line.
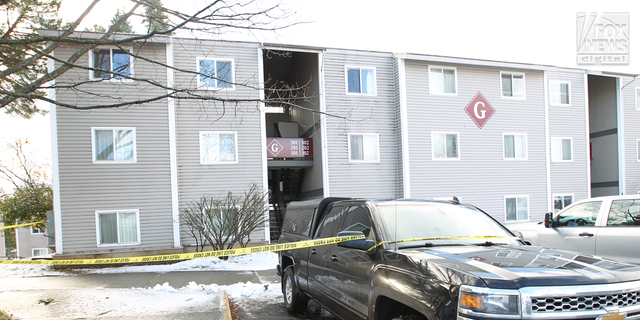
87,187
570,121
28,241
361,114
631,125
194,179
480,176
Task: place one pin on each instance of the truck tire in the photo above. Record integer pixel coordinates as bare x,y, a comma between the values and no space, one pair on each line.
293,301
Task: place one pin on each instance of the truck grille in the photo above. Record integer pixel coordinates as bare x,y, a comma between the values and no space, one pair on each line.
585,303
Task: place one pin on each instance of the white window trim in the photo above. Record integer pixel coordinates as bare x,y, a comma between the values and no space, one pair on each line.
505,208
455,76
551,151
553,197
526,146
33,252
568,89
637,150
202,86
524,85
98,213
346,81
377,135
93,145
433,150
112,80
637,98
235,137
40,231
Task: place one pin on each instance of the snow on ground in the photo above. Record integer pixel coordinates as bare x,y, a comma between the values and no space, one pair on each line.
118,302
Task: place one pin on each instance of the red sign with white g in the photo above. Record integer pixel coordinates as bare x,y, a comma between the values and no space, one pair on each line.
480,110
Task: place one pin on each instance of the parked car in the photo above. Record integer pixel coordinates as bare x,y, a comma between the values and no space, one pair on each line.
608,227
441,260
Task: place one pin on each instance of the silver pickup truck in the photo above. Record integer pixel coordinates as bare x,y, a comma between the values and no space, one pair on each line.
608,227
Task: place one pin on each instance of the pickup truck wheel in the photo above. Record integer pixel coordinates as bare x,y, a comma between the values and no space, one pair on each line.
292,300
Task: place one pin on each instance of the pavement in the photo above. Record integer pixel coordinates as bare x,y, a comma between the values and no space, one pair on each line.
25,297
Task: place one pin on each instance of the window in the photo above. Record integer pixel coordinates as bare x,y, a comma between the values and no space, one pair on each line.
215,74
364,147
361,80
638,150
561,149
561,201
638,98
218,147
445,145
118,227
111,64
114,144
560,92
35,230
512,85
517,208
37,252
442,80
515,146
624,213
220,221
357,219
582,214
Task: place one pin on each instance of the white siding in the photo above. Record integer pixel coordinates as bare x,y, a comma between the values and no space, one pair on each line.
631,125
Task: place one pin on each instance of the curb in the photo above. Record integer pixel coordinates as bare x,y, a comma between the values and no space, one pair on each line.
226,312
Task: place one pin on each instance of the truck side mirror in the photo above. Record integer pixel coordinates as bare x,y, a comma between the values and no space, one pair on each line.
362,244
548,220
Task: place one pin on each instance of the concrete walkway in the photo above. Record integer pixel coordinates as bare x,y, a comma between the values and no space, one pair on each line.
102,298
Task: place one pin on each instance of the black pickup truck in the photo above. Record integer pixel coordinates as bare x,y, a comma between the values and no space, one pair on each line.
441,260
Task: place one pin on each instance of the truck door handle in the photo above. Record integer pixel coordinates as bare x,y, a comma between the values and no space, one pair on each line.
334,258
313,251
586,234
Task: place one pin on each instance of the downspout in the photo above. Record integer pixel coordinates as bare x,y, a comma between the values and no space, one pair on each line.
173,161
323,129
55,166
404,129
263,142
588,133
622,188
547,141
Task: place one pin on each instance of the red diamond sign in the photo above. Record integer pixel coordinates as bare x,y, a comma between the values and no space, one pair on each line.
480,110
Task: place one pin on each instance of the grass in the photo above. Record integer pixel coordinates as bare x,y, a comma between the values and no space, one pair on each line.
4,316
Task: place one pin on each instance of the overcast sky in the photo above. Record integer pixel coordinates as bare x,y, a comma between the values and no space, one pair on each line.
539,32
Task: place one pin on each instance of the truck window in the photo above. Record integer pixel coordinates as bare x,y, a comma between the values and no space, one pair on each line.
358,219
330,225
583,214
624,213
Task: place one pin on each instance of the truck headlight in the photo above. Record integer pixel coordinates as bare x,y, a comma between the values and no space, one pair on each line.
489,302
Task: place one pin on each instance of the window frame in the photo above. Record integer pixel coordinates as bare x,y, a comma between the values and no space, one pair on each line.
504,145
553,199
111,79
637,150
377,138
455,79
39,255
506,213
559,103
562,156
235,141
637,96
433,149
93,144
359,68
524,86
204,86
38,231
116,212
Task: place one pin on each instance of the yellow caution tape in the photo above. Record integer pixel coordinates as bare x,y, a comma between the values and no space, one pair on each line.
20,225
193,255
442,238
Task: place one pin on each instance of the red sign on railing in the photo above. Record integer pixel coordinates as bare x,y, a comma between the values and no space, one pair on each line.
289,148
